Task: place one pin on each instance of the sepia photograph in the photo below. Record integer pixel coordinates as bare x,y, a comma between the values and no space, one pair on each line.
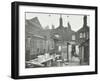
56,40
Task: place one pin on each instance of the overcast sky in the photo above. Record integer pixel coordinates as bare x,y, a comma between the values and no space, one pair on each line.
76,21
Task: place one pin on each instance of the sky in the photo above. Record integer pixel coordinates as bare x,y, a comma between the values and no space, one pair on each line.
48,19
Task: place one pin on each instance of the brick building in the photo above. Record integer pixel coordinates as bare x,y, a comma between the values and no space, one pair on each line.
82,37
37,39
63,38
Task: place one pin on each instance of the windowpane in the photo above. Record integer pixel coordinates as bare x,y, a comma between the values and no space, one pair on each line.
87,35
84,34
81,35
73,37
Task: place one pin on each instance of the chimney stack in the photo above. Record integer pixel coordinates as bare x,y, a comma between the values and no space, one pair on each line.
85,21
61,21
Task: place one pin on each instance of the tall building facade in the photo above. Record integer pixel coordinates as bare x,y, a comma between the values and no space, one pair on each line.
82,37
37,39
63,36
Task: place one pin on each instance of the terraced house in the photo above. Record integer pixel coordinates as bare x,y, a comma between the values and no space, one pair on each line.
82,37
37,39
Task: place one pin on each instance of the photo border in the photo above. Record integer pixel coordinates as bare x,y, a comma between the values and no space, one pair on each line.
15,39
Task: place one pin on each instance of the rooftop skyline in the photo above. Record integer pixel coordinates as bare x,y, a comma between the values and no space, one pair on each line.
76,21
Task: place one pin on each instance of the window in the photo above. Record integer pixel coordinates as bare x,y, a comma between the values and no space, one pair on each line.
73,37
84,35
59,48
81,35
28,42
57,35
87,37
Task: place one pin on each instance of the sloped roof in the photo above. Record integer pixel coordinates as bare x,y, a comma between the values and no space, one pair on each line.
33,26
34,21
83,29
65,32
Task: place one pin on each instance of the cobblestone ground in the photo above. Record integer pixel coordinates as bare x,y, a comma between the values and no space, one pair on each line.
74,62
